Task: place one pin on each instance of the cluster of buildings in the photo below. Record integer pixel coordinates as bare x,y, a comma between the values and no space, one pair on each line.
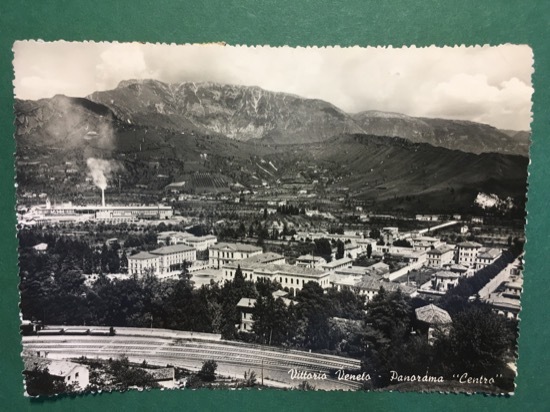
504,291
53,214
446,263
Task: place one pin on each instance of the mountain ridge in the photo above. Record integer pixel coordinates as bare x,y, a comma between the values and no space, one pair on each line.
65,130
250,112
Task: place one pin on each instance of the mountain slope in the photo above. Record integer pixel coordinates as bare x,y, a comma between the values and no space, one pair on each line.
452,134
238,112
155,147
387,168
246,113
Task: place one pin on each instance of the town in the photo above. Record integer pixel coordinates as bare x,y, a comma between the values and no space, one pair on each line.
223,232
425,257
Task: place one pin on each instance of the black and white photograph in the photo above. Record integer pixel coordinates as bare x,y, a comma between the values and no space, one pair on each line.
249,217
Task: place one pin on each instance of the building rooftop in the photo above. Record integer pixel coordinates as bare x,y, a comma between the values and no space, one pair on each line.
280,269
142,256
262,258
55,367
470,244
339,262
236,247
168,233
246,303
502,302
197,239
488,253
445,274
433,315
372,284
279,294
353,271
40,247
167,250
455,267
345,280
310,258
441,250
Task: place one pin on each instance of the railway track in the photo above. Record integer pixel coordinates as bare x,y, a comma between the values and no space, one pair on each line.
223,352
178,351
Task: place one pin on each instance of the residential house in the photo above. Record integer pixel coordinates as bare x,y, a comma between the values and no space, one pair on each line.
466,253
440,256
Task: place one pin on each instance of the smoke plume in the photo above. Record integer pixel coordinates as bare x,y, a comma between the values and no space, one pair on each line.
100,171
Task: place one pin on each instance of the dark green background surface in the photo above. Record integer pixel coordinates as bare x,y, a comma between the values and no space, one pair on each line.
294,23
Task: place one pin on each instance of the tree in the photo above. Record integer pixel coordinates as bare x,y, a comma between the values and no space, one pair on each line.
124,262
208,371
38,382
270,320
387,326
340,249
369,251
241,232
306,386
374,234
313,309
478,341
238,280
250,379
126,376
402,243
323,247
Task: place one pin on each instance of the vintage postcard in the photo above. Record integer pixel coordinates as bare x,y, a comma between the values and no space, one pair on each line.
214,216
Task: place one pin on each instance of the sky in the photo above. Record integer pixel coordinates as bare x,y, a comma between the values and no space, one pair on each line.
487,84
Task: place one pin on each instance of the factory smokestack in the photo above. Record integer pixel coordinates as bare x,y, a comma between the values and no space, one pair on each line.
103,197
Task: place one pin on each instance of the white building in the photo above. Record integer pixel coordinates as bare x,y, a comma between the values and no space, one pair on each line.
67,212
352,250
185,238
288,276
246,308
162,260
310,261
225,253
69,373
438,257
425,243
486,256
467,253
201,242
444,280
338,264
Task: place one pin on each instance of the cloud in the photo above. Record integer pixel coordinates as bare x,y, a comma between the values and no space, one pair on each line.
482,83
472,97
120,62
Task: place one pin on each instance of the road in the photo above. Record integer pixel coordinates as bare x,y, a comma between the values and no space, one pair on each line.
407,235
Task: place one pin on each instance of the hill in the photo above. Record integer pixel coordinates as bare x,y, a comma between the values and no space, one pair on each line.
452,134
